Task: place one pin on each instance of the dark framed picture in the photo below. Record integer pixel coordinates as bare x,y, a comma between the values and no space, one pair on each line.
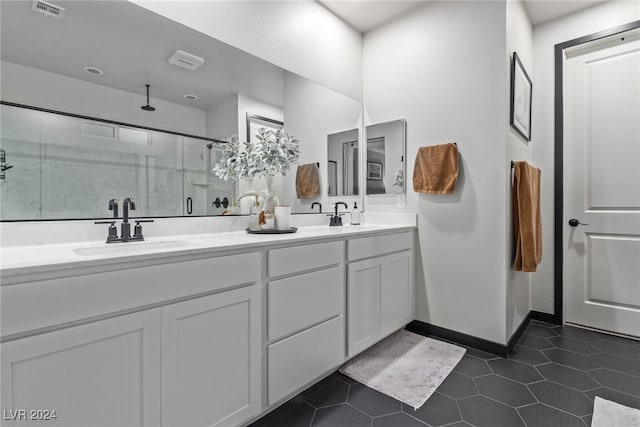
521,90
374,171
255,122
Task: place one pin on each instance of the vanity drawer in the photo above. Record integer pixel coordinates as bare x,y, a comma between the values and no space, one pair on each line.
298,302
300,258
46,303
301,358
367,247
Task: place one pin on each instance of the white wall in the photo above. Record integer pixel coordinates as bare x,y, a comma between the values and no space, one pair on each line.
442,68
519,39
30,86
222,119
545,37
299,36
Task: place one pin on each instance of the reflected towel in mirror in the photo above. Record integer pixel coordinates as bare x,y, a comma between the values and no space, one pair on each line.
308,181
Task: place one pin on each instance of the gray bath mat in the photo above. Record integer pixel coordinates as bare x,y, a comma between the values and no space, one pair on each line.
405,366
611,414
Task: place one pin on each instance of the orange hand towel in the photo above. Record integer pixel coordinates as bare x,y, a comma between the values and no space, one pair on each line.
308,181
436,169
527,225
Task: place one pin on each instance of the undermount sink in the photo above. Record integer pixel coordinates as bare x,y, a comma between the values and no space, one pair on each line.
350,227
130,247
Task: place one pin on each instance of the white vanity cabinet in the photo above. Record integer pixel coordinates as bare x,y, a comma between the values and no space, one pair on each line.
187,355
104,373
198,338
305,309
379,288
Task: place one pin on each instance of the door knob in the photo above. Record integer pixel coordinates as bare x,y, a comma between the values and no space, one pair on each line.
574,222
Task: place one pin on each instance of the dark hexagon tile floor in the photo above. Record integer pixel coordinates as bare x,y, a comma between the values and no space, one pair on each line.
550,379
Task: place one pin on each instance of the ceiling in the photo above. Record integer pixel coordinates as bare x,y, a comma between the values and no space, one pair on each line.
132,45
541,11
365,15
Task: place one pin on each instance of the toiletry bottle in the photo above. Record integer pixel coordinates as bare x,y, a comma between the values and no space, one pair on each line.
254,217
355,215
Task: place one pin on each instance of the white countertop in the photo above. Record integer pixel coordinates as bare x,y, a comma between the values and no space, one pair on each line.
24,263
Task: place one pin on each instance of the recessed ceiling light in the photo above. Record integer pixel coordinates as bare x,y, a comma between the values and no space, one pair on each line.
191,97
94,70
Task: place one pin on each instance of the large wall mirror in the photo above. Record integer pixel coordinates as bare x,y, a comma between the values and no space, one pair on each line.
74,135
385,160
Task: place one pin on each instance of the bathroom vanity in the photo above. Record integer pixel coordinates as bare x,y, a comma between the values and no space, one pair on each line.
210,329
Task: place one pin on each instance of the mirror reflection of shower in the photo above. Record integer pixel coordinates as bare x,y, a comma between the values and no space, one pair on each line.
3,165
221,196
342,165
63,166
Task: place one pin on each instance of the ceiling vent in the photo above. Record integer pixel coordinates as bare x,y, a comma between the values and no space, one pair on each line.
186,60
48,9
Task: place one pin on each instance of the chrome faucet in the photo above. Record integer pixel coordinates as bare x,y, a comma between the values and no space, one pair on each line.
336,218
313,205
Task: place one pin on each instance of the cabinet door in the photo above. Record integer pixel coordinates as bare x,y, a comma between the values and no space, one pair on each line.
397,291
211,365
105,373
364,290
380,298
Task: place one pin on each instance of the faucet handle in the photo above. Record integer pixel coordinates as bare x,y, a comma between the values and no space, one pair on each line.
137,229
112,234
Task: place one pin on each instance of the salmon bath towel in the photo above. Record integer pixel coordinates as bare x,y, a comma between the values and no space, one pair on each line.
527,224
435,170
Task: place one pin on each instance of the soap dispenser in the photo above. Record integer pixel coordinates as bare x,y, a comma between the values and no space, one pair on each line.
355,215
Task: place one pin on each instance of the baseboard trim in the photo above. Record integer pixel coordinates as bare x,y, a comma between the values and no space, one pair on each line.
545,317
427,329
517,334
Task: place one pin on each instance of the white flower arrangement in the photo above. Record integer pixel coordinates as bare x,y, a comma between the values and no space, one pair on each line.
271,153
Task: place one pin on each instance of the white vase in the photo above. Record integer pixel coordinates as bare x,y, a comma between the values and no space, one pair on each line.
268,195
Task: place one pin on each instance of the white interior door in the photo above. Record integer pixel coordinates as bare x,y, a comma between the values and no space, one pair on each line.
602,185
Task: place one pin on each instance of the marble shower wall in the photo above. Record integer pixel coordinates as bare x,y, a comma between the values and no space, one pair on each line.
67,168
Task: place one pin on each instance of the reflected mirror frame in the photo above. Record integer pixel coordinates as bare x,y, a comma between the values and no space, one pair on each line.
403,160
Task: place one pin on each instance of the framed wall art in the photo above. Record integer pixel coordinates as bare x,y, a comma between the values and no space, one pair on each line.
521,90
